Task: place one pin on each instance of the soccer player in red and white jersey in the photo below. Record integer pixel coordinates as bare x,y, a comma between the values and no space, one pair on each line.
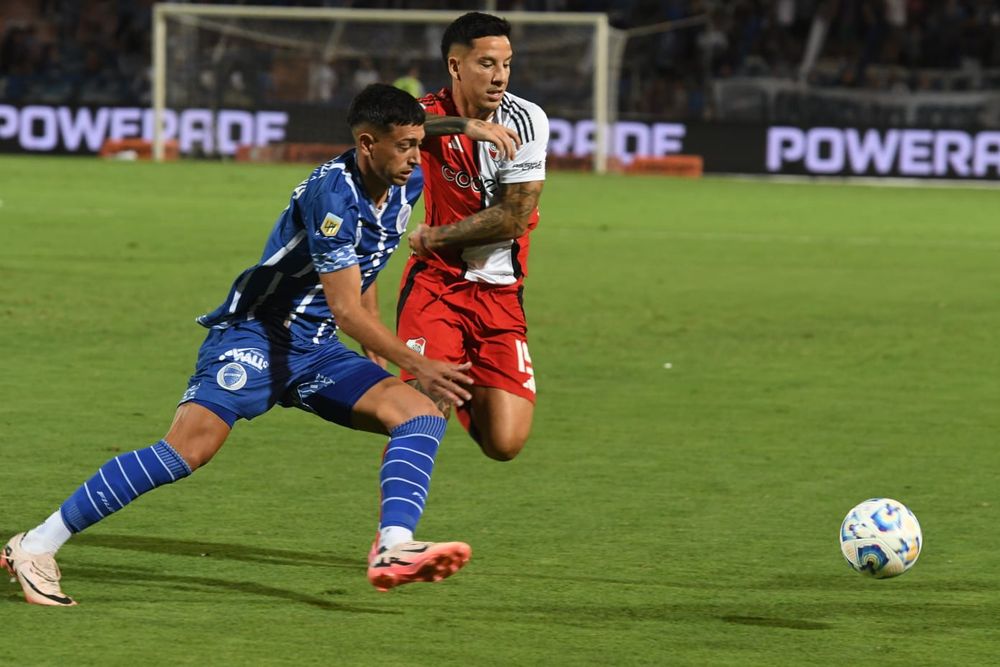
461,293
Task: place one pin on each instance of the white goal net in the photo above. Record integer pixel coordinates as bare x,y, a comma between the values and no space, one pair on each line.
229,76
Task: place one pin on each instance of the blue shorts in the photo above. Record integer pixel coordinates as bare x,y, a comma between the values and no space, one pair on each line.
244,370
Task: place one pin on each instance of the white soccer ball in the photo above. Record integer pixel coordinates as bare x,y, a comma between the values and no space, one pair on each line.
881,538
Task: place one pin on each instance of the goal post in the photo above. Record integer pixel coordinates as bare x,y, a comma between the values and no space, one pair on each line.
565,61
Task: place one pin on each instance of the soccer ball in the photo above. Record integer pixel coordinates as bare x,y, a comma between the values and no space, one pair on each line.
881,538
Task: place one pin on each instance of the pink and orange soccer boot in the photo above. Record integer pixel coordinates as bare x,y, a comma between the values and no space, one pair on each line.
411,562
38,574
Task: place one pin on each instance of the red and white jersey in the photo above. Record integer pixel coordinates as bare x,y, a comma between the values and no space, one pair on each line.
462,176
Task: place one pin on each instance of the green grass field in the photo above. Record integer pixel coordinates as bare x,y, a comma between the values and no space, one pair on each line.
826,343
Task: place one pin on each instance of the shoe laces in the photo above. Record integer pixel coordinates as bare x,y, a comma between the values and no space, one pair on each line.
46,567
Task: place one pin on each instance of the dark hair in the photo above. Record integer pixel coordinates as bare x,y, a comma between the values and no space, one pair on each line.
472,26
381,106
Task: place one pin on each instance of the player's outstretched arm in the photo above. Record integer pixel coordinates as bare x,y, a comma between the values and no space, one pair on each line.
506,140
342,289
508,219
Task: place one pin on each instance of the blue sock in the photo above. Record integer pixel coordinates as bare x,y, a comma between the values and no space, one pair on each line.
406,470
120,481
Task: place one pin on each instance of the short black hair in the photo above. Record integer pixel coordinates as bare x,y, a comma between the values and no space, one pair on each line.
472,26
382,106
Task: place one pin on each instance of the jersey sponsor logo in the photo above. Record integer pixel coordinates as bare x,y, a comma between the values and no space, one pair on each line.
527,166
251,356
465,180
417,345
232,376
331,225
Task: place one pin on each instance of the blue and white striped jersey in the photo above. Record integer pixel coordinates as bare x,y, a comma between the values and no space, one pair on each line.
329,224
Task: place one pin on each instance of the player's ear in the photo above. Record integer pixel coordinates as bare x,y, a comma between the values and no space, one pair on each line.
453,67
366,142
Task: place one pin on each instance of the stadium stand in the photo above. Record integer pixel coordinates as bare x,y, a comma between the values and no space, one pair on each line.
98,51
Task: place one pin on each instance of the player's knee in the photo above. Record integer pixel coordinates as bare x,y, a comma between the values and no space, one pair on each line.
442,407
417,405
194,455
503,448
196,449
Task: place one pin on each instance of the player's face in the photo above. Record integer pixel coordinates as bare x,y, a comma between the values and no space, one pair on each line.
395,154
481,72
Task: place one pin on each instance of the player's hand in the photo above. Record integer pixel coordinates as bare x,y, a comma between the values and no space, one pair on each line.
444,381
506,140
418,241
377,358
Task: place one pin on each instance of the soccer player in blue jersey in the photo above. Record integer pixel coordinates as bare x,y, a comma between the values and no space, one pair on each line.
273,341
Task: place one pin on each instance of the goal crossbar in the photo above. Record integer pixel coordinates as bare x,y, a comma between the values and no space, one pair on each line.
164,11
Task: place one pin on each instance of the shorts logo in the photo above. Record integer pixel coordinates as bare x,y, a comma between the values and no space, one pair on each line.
417,345
331,225
251,356
232,377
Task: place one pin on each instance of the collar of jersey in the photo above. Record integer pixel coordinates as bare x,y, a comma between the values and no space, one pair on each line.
351,162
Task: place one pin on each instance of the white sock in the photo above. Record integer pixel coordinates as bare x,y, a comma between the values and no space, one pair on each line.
390,536
48,537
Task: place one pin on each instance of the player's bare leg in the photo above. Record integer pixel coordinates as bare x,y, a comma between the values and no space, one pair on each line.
501,422
197,434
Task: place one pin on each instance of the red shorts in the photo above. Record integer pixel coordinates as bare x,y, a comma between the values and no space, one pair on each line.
458,320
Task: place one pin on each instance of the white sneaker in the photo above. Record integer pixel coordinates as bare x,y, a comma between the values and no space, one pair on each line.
38,574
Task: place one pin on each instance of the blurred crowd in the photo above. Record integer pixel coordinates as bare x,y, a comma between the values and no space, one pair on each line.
97,52
75,51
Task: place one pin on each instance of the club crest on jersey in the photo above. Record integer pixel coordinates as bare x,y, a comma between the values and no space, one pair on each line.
251,356
232,376
417,345
331,225
493,152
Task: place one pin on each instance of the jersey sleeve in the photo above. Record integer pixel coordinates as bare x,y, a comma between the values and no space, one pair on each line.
529,161
331,223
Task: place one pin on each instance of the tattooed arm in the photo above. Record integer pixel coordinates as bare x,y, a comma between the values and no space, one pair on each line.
506,140
503,221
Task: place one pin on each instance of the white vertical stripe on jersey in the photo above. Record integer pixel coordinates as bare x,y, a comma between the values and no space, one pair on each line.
270,261
322,327
382,233
278,275
306,300
349,180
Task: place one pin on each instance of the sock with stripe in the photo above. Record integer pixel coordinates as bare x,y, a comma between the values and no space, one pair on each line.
117,483
405,477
